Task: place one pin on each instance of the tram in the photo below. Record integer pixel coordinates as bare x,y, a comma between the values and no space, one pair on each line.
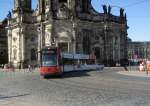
54,62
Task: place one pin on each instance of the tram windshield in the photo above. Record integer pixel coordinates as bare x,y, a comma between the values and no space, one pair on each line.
49,59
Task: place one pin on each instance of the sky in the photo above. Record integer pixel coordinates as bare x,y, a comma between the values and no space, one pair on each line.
137,11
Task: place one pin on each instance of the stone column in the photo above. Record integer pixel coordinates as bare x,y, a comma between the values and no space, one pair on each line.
9,45
20,45
74,38
16,4
119,44
23,50
41,6
40,42
113,48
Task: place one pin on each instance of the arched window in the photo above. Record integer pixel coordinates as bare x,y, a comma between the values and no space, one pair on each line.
2,53
46,2
86,44
35,4
97,52
85,5
33,54
86,40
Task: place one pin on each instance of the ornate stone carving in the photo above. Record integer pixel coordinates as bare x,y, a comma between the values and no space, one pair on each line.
63,12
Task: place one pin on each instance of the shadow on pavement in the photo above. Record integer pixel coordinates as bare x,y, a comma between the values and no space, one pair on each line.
69,75
75,74
13,96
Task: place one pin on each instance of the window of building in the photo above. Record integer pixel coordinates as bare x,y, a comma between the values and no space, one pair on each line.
97,52
96,37
62,1
1,53
86,44
32,39
63,46
85,5
33,54
46,2
86,40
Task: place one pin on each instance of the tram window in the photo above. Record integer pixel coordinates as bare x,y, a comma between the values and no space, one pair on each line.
67,61
76,62
49,60
90,61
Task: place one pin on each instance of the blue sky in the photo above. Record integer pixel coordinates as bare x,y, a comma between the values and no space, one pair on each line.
138,14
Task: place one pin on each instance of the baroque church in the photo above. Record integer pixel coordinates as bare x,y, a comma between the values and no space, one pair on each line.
72,25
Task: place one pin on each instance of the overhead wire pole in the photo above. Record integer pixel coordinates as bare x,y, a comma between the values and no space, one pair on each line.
146,58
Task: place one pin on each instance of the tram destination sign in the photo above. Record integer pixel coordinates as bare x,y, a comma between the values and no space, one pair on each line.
51,51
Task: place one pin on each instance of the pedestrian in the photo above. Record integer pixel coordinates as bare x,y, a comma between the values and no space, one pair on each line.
12,68
125,67
29,67
32,67
141,66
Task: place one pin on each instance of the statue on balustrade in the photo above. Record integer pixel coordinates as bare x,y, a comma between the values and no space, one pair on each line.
121,12
9,15
105,9
109,9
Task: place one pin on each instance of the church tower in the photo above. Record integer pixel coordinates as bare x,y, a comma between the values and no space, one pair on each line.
85,6
41,6
23,5
22,34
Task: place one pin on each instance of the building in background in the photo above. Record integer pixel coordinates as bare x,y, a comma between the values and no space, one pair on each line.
3,43
72,25
139,51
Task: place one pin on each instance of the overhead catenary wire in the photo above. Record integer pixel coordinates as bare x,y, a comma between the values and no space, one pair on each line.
130,5
136,3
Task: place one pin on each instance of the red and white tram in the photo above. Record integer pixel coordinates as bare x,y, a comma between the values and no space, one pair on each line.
53,62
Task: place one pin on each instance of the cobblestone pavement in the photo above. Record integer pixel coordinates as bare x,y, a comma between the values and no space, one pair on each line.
94,88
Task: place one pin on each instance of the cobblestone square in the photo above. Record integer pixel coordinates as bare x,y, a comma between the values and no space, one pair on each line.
94,88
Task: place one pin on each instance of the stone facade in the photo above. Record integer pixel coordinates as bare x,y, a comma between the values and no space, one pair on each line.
3,43
73,25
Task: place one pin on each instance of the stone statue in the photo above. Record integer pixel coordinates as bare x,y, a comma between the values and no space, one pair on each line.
105,9
109,9
9,15
125,16
121,12
21,11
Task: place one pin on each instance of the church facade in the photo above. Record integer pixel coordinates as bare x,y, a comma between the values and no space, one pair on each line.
72,25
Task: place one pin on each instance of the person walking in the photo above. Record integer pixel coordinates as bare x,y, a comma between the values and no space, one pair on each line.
29,67
141,66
